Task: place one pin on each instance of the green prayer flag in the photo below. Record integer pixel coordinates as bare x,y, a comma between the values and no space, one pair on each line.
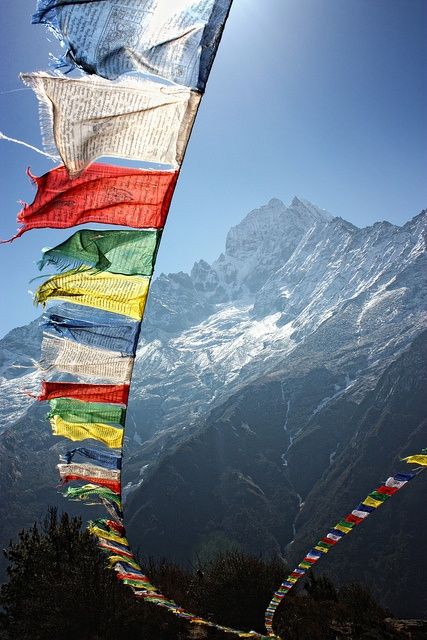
77,411
379,496
92,492
323,545
125,252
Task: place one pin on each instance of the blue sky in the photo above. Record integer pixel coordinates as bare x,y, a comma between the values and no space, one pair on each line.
325,99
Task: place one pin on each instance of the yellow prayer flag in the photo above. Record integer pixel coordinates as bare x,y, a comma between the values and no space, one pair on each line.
125,295
417,459
106,535
118,559
343,529
111,436
371,502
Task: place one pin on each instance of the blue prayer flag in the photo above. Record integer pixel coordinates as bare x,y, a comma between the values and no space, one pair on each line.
109,460
93,327
174,40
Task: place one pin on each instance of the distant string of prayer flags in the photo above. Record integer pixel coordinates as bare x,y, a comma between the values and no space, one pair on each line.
372,501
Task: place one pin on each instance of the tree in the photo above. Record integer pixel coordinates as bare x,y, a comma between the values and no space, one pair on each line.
59,588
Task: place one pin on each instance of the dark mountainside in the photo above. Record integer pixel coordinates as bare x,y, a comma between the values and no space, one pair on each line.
273,390
228,486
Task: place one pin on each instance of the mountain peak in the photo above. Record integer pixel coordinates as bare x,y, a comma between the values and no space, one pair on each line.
303,205
275,202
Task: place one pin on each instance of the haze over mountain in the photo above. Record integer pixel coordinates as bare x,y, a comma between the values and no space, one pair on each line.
272,390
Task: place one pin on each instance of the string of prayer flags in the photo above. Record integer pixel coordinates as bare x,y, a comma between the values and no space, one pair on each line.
176,41
126,252
110,436
90,473
116,394
112,540
125,295
73,410
59,355
137,119
102,193
92,327
106,458
374,500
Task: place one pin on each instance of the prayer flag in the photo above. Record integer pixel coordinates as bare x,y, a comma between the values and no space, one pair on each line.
110,436
360,514
92,327
65,356
377,495
340,527
420,459
387,490
111,393
113,546
109,460
90,473
126,252
176,40
113,560
370,502
102,193
90,117
73,410
125,295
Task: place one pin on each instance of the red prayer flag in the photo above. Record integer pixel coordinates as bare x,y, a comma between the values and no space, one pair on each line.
114,485
353,518
132,576
389,491
328,541
116,526
110,393
106,544
102,193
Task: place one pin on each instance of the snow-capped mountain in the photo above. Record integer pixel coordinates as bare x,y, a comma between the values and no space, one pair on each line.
207,333
285,273
264,357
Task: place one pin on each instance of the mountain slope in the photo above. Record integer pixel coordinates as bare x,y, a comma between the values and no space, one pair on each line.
227,486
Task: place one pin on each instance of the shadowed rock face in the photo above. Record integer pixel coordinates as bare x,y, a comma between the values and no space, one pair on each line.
242,482
260,381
